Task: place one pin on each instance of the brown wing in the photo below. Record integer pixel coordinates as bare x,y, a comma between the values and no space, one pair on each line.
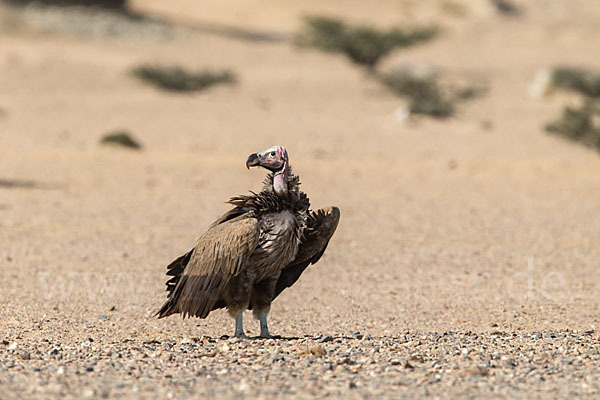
219,255
320,227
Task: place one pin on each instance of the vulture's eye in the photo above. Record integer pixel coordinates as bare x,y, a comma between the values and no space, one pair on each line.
272,154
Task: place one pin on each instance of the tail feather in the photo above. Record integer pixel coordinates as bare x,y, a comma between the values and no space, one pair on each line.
194,296
171,305
175,269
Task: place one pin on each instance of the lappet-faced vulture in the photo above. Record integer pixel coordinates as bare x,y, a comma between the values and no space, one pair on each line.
254,251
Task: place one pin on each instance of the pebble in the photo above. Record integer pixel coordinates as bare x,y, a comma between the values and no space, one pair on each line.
462,362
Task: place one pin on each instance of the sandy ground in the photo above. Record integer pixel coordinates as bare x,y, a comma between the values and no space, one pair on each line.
465,263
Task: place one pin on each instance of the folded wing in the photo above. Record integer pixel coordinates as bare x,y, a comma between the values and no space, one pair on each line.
201,276
321,226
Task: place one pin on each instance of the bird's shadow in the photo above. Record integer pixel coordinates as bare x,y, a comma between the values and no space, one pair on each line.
276,337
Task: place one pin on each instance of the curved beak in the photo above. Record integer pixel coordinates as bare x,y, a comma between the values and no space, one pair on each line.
252,161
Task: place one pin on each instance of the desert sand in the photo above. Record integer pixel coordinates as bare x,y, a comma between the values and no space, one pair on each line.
466,259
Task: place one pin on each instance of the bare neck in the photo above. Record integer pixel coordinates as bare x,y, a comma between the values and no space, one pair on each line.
280,184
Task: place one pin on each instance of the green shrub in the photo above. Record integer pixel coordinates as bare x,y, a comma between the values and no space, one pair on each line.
506,7
18,184
120,138
579,124
177,79
362,44
114,4
426,96
583,81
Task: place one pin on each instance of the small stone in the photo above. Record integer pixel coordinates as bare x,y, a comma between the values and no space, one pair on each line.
477,371
315,351
325,339
328,367
243,386
401,113
12,346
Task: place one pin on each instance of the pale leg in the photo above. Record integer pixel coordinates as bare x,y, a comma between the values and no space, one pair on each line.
239,326
264,328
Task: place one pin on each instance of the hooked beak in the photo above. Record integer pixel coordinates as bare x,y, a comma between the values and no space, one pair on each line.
253,161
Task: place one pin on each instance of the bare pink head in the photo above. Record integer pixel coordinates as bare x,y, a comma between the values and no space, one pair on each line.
275,159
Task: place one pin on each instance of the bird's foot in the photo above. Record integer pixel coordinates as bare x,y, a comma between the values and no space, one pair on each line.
241,335
264,333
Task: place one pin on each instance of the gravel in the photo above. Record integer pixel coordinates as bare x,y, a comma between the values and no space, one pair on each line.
549,363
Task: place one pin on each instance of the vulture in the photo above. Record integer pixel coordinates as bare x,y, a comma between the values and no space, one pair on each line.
254,251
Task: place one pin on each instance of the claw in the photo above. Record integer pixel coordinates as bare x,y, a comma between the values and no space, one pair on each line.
266,335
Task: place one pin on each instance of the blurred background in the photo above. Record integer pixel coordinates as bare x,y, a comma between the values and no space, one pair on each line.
459,139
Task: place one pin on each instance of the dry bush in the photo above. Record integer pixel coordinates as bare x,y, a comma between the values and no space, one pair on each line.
178,79
120,138
362,44
580,124
579,80
426,95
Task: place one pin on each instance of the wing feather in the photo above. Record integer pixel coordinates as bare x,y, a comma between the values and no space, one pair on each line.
219,255
320,227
